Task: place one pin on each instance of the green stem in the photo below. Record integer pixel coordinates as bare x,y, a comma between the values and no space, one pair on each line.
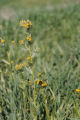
33,77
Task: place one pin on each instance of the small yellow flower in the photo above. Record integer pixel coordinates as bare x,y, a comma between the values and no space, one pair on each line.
29,38
30,23
39,82
39,74
26,63
77,90
21,42
13,41
29,58
1,26
22,22
27,26
19,67
44,84
2,41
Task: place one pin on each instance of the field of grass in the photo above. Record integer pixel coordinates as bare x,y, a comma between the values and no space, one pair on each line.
52,57
32,3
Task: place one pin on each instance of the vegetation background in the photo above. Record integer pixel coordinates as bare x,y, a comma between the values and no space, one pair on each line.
56,31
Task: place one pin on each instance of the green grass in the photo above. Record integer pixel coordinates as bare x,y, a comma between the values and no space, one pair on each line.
57,33
32,3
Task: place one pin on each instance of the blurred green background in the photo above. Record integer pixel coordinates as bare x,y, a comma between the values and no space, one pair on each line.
33,3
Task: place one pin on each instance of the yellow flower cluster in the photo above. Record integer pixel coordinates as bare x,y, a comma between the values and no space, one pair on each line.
77,90
27,60
19,67
28,24
2,41
25,23
40,82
